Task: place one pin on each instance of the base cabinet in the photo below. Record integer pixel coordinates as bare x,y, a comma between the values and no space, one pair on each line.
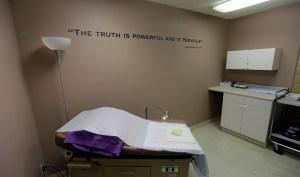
246,116
133,167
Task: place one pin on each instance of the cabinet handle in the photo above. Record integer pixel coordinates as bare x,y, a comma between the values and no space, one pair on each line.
243,106
127,173
83,165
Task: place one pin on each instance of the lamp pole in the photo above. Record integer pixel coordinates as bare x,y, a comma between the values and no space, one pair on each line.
164,117
58,54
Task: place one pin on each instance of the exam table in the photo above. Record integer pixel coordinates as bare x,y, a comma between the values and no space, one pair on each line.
132,161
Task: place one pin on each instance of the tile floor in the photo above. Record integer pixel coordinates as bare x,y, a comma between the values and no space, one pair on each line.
230,156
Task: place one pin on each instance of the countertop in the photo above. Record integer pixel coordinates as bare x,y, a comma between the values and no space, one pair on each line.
245,92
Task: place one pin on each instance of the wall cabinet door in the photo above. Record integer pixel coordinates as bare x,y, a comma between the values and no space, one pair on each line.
263,59
256,59
237,59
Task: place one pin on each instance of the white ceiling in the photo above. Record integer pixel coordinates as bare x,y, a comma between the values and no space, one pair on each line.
206,6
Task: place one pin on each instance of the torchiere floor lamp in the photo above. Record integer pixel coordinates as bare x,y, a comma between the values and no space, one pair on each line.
58,45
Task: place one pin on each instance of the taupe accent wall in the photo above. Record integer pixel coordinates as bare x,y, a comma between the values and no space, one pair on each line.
274,28
20,151
124,73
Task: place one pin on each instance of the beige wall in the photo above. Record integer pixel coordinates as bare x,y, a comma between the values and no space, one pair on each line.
123,73
20,150
275,28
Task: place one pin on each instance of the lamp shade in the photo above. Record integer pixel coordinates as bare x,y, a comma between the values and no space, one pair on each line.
56,43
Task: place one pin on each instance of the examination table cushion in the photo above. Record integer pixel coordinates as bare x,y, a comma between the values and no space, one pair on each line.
126,149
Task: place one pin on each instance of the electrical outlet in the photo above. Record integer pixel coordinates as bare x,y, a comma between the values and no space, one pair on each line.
169,169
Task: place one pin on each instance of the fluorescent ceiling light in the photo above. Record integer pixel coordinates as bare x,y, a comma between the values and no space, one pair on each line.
236,4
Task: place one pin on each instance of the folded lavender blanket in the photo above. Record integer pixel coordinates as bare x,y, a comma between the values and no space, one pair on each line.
94,143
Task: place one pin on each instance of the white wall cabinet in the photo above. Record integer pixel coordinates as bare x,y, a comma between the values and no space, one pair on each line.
256,59
247,116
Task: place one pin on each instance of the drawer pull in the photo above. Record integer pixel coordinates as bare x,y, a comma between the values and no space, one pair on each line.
243,106
127,173
85,165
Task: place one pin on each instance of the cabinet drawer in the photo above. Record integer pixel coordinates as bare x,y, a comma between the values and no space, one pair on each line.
234,98
264,104
117,171
82,172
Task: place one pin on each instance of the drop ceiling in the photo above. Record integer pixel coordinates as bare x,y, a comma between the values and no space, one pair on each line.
206,6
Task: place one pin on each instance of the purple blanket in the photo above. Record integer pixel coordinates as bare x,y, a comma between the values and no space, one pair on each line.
94,143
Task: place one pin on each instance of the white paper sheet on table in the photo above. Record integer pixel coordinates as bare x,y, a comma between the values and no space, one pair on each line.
111,122
157,139
136,132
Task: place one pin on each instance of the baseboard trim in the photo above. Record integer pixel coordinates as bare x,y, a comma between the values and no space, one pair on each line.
204,122
244,137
